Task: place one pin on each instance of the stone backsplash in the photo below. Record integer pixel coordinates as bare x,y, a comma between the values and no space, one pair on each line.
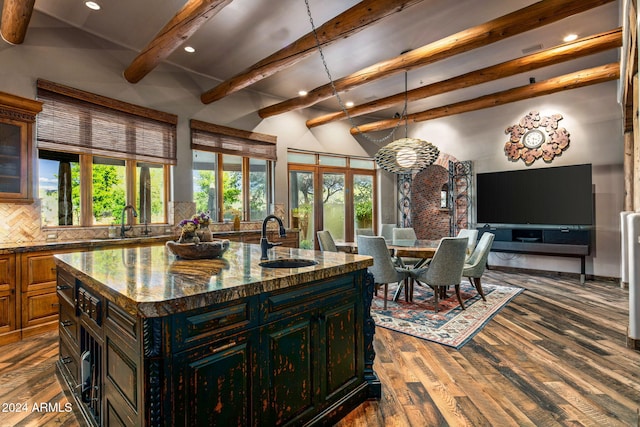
20,223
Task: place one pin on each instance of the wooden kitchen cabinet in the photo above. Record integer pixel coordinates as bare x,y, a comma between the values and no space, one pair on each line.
17,116
8,322
38,293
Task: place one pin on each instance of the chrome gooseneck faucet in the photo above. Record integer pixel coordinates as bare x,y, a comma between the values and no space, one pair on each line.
124,229
265,244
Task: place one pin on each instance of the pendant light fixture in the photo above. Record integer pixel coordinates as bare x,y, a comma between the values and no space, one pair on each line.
406,155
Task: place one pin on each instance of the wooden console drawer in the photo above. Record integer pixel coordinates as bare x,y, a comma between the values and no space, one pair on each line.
201,325
290,301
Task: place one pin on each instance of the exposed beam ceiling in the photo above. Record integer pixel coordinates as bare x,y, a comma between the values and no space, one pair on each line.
342,26
16,15
555,55
525,19
187,21
569,81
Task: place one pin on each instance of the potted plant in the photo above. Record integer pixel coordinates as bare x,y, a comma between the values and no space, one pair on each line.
300,218
363,214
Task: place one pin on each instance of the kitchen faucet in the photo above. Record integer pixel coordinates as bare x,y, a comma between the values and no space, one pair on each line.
266,244
124,229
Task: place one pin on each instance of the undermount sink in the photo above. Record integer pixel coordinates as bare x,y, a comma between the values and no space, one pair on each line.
288,263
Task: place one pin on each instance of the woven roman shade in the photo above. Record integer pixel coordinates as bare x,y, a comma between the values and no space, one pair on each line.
222,139
76,121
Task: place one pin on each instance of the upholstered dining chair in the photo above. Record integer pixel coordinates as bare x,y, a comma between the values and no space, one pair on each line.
364,232
445,268
326,242
386,231
405,237
383,269
475,265
472,235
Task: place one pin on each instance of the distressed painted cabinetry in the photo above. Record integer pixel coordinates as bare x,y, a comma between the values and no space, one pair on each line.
288,356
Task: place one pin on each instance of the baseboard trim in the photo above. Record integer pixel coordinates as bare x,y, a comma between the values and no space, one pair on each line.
552,273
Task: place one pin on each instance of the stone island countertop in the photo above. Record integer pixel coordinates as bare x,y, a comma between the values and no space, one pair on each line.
149,281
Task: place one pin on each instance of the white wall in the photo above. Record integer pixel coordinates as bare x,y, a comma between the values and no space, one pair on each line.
593,118
57,52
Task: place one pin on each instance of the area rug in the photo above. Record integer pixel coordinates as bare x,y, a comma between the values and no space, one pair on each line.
450,326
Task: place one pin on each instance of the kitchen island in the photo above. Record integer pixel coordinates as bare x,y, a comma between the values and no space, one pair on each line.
149,339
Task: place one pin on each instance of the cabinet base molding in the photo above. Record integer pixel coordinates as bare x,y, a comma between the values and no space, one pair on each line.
10,337
39,329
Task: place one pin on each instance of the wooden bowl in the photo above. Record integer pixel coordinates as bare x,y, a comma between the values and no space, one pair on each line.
214,249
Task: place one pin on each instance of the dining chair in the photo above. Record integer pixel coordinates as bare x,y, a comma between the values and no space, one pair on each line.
386,231
445,269
472,235
364,232
475,265
383,269
405,236
326,242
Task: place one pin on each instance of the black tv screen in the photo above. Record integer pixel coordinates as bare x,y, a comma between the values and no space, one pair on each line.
546,196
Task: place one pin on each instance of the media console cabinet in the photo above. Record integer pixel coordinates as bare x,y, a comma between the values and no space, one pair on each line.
570,241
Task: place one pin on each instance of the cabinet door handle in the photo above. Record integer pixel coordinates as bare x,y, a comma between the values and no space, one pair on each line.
65,360
63,287
66,323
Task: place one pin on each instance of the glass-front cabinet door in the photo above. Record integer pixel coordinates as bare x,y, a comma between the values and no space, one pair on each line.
16,120
13,159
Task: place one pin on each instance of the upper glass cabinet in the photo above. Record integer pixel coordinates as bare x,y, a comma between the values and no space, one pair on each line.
17,115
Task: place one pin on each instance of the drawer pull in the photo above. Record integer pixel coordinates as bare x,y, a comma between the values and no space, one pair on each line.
66,323
63,287
224,347
66,360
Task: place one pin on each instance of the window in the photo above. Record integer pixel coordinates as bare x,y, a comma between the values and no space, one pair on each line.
241,161
330,192
97,155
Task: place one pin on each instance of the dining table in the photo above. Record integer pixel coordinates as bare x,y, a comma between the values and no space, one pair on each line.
423,249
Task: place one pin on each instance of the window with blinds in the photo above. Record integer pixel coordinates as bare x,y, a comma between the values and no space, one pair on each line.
81,122
107,153
232,171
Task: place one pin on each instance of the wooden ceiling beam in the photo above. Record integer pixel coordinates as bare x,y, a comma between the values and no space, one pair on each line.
591,76
16,15
346,24
525,19
187,21
555,55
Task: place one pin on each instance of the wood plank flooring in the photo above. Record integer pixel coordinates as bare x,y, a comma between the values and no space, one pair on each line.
555,356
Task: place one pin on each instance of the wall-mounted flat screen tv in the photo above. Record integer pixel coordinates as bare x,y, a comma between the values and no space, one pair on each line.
545,196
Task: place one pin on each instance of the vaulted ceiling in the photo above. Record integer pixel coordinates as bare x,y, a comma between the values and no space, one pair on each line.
459,55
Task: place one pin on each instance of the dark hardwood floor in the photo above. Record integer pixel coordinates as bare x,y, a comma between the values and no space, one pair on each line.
555,356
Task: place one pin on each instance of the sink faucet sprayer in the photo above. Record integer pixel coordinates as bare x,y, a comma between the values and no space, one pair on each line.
124,229
266,244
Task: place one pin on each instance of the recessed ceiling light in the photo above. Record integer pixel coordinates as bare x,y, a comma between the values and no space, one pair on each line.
570,37
348,104
92,5
302,92
189,49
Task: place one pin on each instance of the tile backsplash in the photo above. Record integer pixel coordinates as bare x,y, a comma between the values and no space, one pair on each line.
20,223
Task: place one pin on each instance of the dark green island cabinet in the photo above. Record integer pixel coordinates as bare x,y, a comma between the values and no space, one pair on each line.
149,339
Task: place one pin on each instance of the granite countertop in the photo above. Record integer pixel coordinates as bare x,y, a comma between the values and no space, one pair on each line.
13,248
152,282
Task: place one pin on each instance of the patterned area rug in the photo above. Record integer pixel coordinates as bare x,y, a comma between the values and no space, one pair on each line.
451,326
